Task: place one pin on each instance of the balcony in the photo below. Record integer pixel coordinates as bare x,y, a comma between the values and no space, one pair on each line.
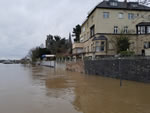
77,48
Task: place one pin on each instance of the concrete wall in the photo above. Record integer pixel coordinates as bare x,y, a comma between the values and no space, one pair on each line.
128,69
75,66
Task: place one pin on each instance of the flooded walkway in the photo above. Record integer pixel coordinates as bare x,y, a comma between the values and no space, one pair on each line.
26,89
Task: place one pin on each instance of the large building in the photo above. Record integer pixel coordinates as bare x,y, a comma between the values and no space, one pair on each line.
110,19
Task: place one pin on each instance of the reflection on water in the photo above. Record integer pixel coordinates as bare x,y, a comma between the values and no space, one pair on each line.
26,89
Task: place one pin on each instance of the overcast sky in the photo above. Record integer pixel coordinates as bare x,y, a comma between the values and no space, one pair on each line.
24,24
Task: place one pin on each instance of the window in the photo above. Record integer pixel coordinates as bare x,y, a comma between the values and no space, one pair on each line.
134,5
142,29
113,3
115,29
105,15
126,29
139,30
146,45
83,29
130,16
102,46
97,43
97,46
120,15
92,30
97,49
148,29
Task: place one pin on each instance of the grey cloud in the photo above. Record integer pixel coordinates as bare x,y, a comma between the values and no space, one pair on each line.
24,24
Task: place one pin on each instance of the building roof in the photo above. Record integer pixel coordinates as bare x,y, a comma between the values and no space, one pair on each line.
123,5
113,4
144,24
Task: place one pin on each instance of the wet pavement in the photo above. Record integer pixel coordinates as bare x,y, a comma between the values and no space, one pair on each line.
27,89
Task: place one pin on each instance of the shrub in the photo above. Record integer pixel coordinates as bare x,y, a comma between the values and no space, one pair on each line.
126,53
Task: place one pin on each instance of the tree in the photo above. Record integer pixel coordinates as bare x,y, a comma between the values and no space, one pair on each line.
122,43
57,38
76,32
37,52
144,2
70,44
57,45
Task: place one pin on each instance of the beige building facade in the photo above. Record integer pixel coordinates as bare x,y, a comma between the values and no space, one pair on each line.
110,19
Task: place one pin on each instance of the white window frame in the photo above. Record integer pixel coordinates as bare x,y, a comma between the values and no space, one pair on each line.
146,45
125,29
130,16
120,15
115,29
105,15
113,3
142,29
97,46
148,29
139,30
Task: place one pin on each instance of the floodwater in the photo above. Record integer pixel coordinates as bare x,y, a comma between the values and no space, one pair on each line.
27,89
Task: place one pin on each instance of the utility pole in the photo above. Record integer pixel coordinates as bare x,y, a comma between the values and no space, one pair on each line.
120,73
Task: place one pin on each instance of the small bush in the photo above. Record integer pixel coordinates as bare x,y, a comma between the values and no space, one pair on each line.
127,53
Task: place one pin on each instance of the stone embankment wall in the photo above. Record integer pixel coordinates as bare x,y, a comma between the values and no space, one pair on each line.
75,66
128,69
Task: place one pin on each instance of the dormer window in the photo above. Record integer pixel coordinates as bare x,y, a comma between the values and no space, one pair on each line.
134,5
113,3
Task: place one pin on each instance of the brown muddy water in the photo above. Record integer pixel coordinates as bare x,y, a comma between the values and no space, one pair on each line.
26,89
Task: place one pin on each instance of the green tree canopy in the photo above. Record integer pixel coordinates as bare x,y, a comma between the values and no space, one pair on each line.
37,52
58,45
76,33
122,43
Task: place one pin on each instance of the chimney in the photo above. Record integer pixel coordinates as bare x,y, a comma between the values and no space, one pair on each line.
125,3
